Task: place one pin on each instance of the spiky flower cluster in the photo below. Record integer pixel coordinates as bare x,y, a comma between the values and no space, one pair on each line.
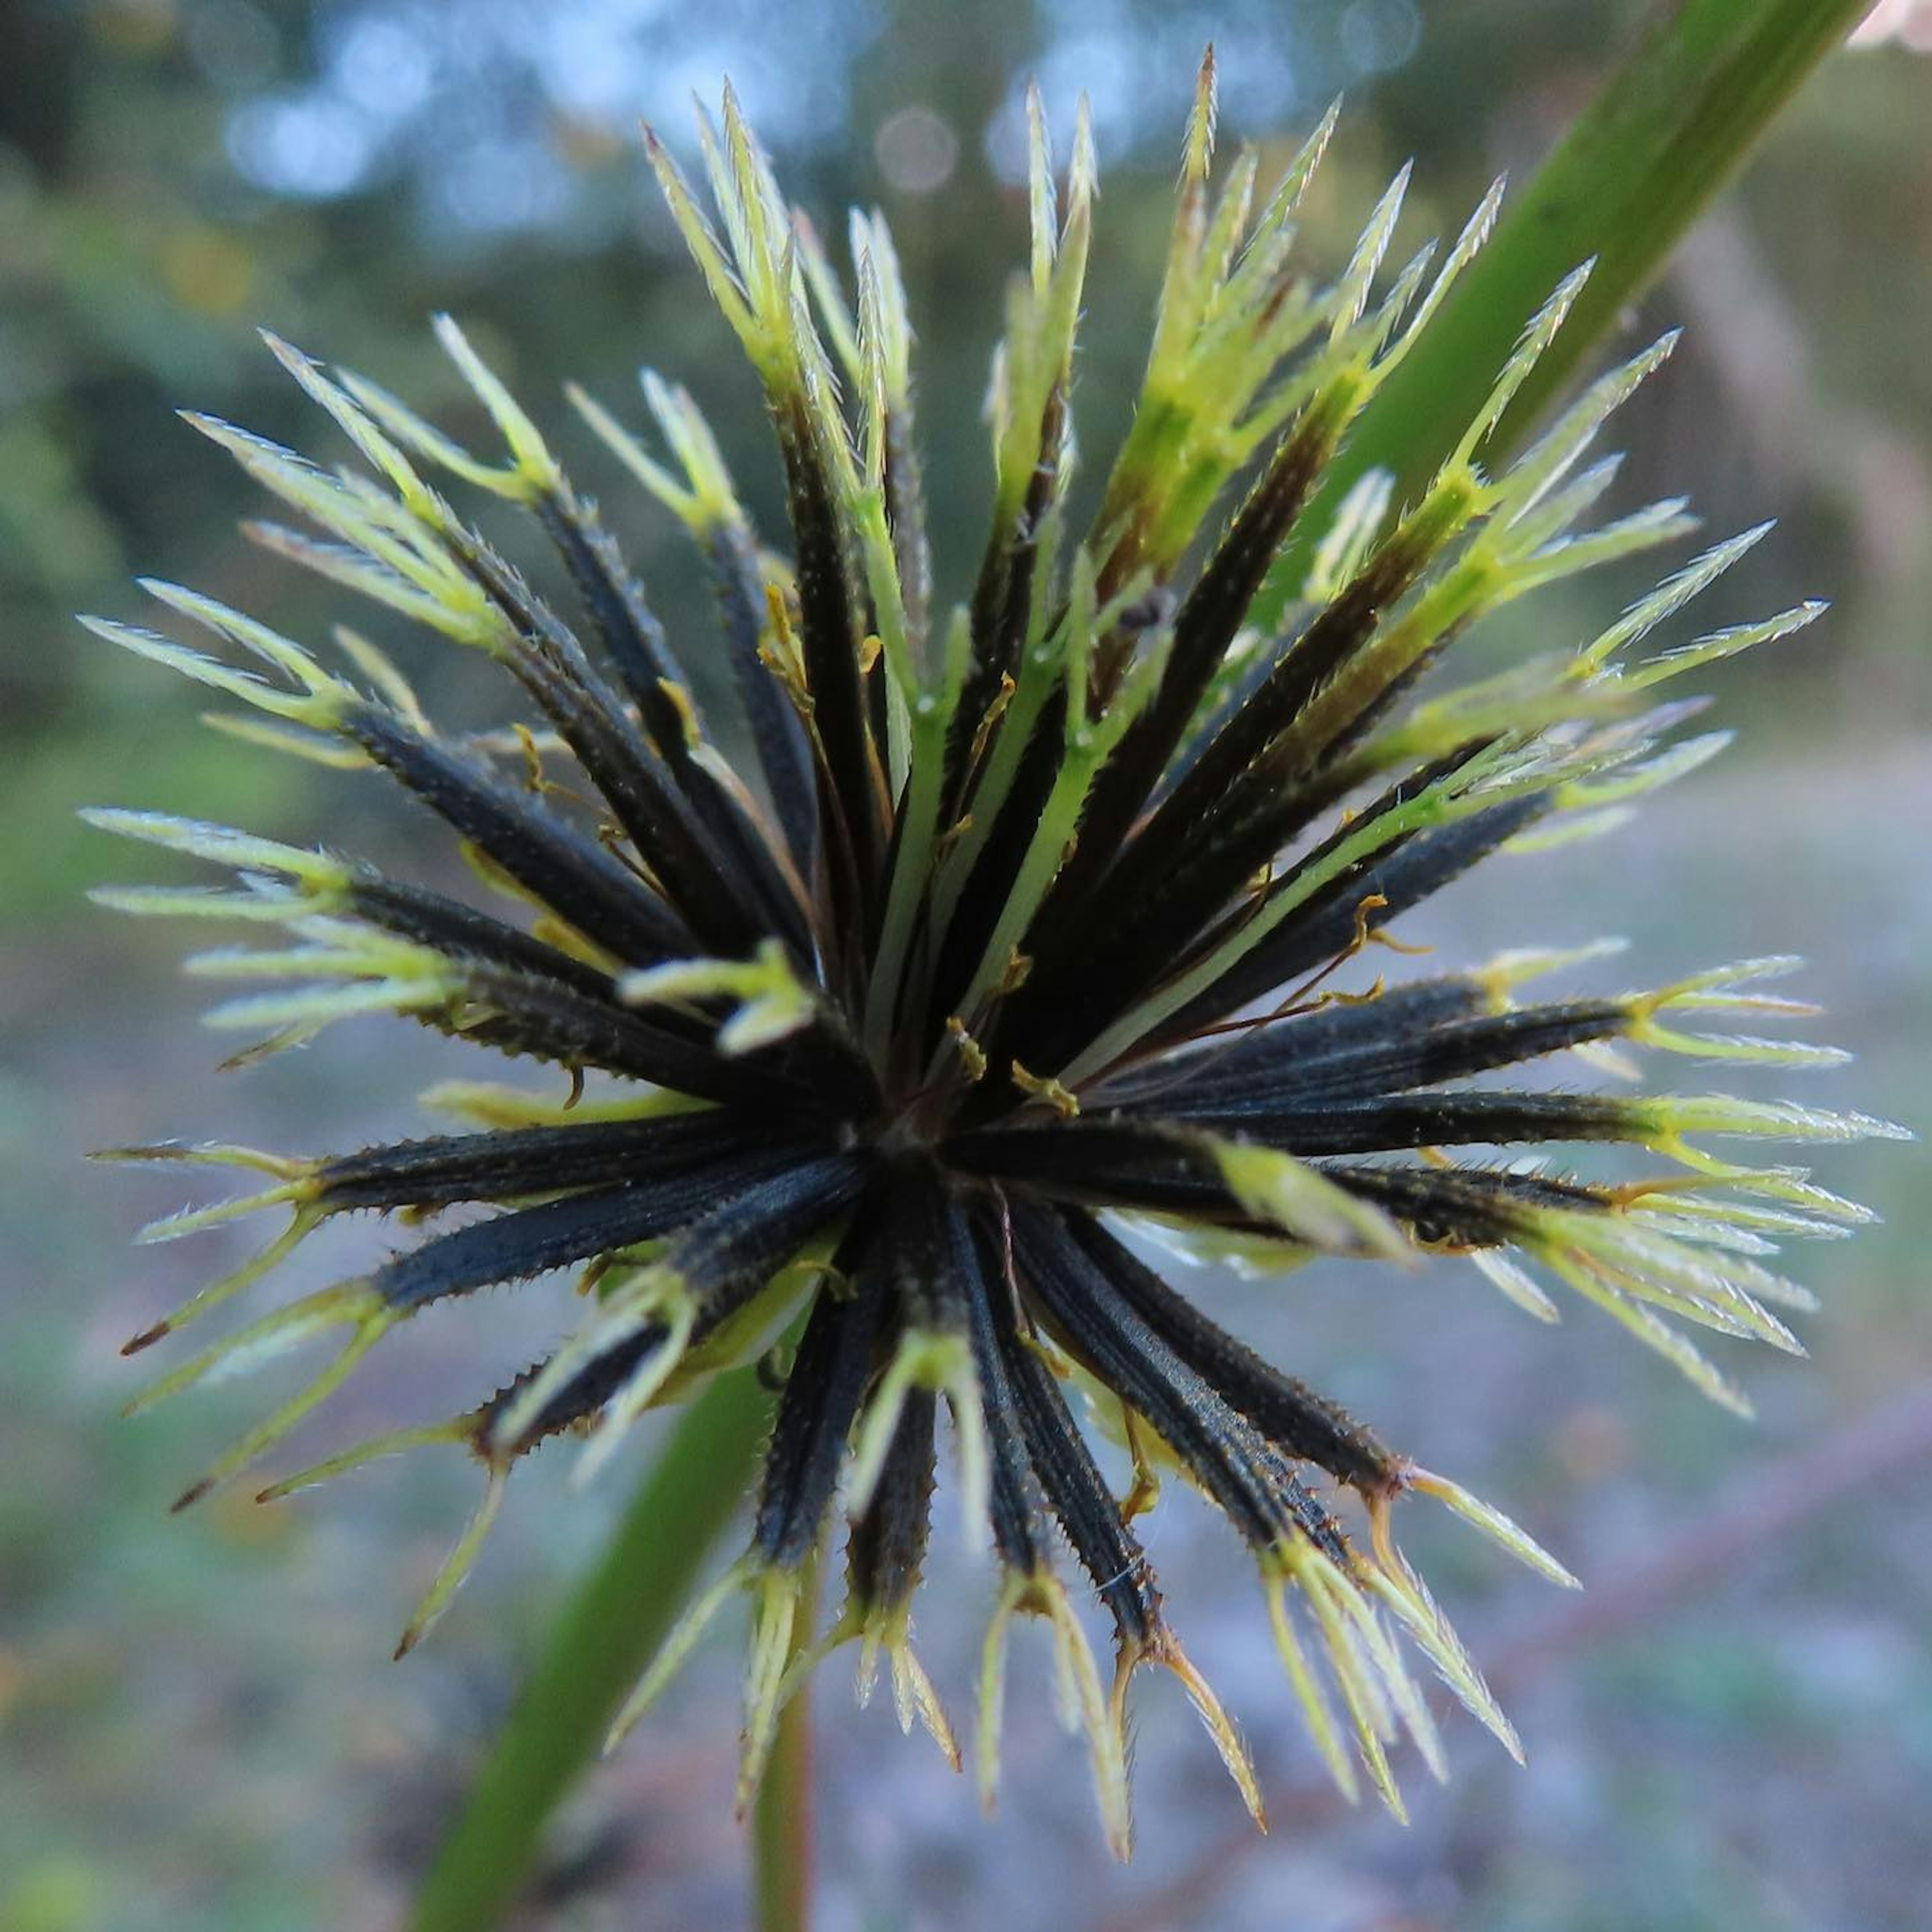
1011,935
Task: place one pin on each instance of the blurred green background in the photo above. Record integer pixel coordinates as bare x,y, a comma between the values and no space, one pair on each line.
198,1726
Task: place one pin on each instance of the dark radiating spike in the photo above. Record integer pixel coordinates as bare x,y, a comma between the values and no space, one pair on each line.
927,1257
519,1013
990,884
1334,634
500,1165
1399,1059
983,899
460,931
1260,1056
771,1219
1463,1207
1413,1006
1204,627
1134,936
1194,856
815,1413
1274,808
1299,1422
1292,788
733,1249
1107,1549
1263,1498
888,1542
775,903
1018,1506
580,1398
1001,610
1324,929
784,752
1385,1124
632,774
1224,862
1138,936
1002,601
829,636
529,1241
1059,1153
1103,1162
634,641
567,870
1253,673
625,625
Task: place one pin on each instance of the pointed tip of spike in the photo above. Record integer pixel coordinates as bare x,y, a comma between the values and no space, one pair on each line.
223,435
1199,156
156,1150
192,1495
297,362
1083,176
1502,1529
448,332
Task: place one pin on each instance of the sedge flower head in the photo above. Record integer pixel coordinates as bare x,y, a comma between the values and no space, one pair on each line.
894,1005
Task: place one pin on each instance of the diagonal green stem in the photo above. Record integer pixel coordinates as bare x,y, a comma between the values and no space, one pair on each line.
1670,129
607,1634
782,1847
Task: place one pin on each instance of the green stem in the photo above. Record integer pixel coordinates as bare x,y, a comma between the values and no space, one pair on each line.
1671,128
608,1634
782,1847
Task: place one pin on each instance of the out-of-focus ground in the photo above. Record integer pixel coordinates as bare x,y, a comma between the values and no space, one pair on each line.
1732,1730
